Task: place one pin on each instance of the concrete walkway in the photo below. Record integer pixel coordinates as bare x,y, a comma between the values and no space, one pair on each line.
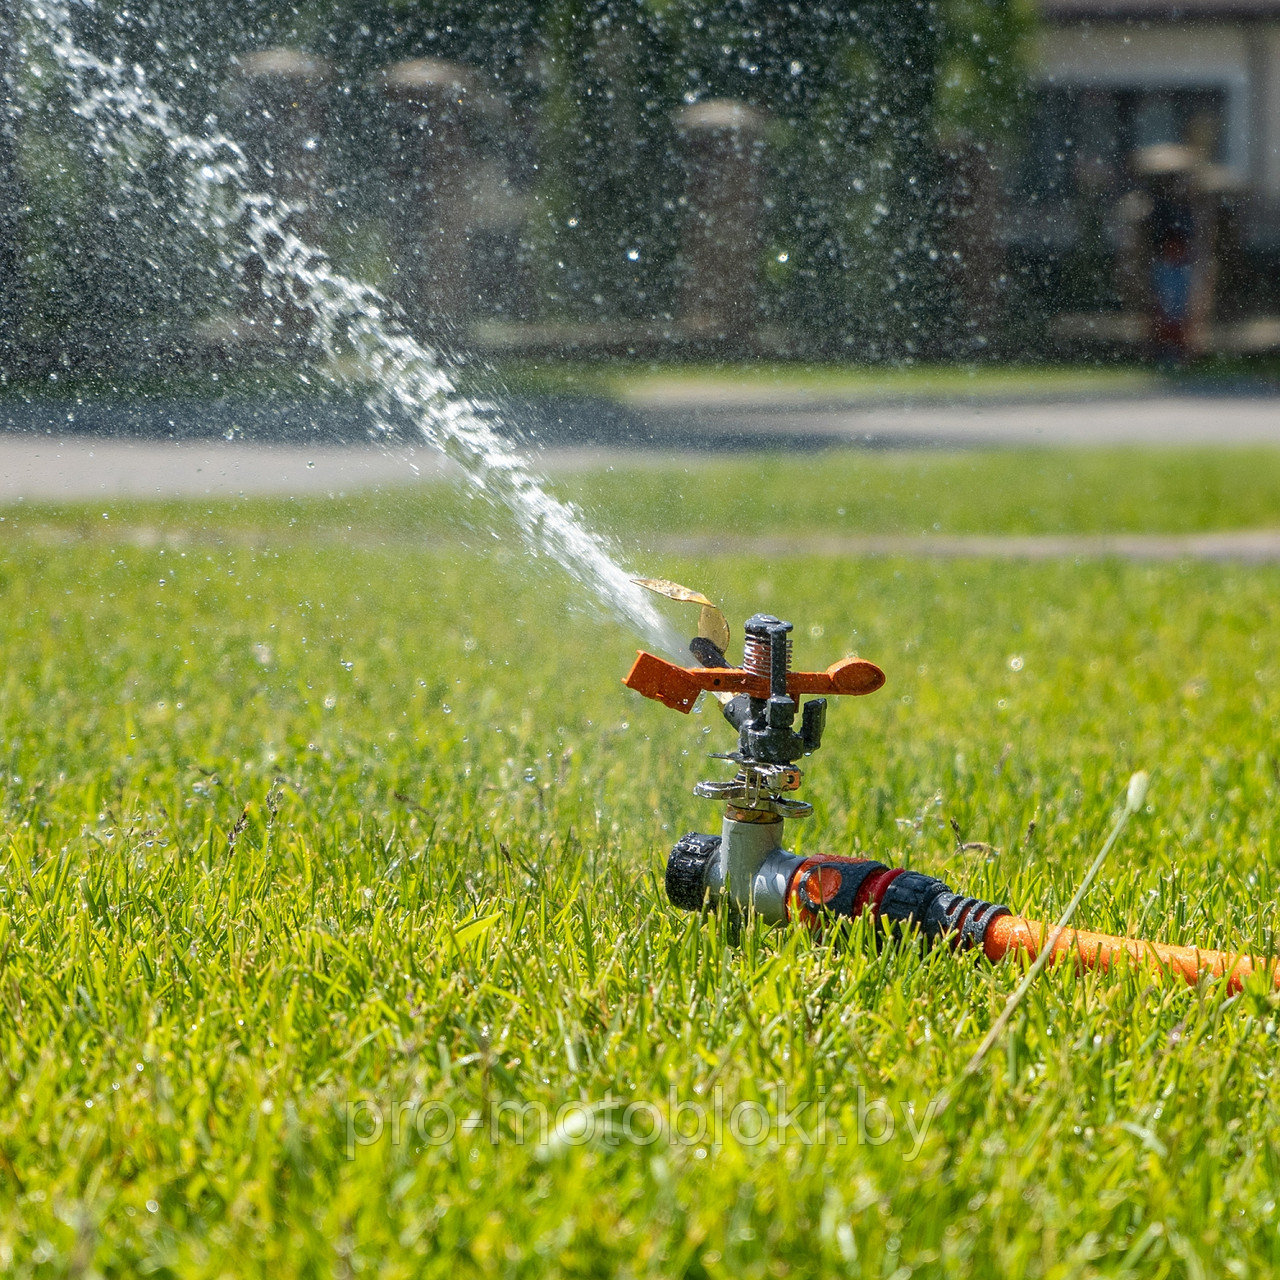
1243,546
1153,420
44,468
79,468
37,467
685,422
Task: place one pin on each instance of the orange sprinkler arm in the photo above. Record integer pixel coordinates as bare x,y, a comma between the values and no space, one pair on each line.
1007,935
678,687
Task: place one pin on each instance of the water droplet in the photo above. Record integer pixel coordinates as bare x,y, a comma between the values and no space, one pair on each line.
1015,663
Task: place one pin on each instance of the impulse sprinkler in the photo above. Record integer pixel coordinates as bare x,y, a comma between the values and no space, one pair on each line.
746,869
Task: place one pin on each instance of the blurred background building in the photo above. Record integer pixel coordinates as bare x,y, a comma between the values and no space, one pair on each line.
1153,131
950,180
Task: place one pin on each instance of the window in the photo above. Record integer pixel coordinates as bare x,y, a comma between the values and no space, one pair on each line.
1078,129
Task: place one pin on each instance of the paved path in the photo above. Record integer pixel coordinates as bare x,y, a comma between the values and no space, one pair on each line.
1247,546
36,466
1152,420
669,422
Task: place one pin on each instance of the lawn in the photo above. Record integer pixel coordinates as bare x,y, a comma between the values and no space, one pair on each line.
664,382
763,382
333,937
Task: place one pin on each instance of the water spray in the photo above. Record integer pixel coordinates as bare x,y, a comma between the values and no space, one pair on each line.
354,333
747,871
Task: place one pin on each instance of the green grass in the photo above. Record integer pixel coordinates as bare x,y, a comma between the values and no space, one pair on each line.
665,381
661,382
848,492
996,491
311,813
798,382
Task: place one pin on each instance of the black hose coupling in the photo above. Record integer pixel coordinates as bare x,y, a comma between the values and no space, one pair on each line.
687,870
914,900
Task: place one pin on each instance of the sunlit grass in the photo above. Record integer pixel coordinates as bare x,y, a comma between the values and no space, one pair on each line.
663,382
985,491
646,500
299,828
760,382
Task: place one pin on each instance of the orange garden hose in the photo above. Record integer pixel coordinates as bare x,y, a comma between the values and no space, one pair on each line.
1010,935
822,890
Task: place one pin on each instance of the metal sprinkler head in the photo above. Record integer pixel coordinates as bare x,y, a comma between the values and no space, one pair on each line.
762,700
